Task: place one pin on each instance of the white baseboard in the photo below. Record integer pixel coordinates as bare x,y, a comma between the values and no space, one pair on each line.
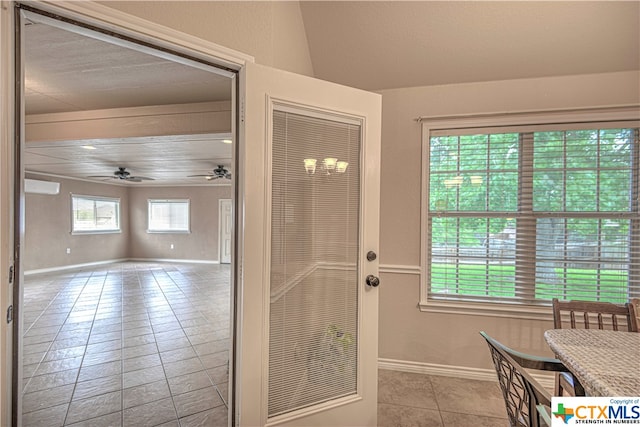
464,372
186,261
111,261
73,266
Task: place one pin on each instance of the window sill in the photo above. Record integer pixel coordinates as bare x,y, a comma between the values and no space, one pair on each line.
168,231
513,311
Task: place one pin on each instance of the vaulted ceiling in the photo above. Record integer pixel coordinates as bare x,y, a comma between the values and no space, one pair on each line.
394,44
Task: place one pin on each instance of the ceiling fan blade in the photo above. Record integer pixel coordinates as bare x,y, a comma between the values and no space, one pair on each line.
101,176
140,178
199,176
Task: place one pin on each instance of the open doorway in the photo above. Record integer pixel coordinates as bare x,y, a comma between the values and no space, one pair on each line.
126,314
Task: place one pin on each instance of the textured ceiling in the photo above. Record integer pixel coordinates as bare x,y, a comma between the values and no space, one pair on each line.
65,71
391,44
69,72
168,160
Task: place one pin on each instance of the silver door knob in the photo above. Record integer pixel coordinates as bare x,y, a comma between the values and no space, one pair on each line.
372,281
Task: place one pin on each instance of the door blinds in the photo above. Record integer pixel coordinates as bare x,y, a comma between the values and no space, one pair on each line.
529,213
314,251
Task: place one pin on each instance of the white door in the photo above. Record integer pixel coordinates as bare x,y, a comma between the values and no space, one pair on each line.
309,210
224,231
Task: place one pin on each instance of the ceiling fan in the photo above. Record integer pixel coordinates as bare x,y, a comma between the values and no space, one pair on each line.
124,175
217,173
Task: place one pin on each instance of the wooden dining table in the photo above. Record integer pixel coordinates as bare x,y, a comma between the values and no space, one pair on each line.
607,363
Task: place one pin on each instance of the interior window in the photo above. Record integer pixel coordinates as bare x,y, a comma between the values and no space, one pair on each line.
168,216
95,214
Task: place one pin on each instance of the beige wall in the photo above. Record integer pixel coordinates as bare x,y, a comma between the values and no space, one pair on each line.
452,339
48,227
200,244
272,32
48,221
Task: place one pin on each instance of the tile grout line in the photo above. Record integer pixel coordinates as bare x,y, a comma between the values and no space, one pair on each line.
153,331
435,397
75,384
214,383
122,285
50,346
23,391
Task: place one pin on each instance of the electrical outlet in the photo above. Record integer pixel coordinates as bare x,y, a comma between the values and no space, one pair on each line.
68,250
172,246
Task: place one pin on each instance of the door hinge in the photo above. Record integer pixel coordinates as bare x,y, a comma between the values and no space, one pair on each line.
10,314
11,274
242,110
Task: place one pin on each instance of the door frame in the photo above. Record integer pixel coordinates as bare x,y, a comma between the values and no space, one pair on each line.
152,36
7,205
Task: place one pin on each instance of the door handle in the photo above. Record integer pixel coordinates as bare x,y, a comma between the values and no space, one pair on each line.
372,281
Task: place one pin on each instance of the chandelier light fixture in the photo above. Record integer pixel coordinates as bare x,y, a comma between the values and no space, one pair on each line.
310,166
341,167
328,164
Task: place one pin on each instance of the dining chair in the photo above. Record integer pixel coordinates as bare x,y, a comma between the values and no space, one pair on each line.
594,315
526,400
589,315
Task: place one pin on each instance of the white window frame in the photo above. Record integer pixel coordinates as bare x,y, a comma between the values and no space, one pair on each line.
169,230
95,199
495,309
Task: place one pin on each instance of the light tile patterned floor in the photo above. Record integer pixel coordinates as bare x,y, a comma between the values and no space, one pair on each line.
415,400
128,344
145,344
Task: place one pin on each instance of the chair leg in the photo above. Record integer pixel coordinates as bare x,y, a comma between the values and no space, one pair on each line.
564,387
557,389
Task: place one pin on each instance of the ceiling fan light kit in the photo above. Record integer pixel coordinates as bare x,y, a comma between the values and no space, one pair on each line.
217,173
124,175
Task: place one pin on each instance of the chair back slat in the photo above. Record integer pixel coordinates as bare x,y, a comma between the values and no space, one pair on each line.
603,315
601,323
585,315
635,308
614,321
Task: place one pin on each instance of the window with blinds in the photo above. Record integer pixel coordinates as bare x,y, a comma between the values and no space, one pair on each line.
168,216
92,214
315,202
529,213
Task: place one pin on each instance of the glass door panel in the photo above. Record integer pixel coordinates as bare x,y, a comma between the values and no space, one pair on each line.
315,213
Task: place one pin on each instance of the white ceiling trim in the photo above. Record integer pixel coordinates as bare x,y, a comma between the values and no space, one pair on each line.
216,183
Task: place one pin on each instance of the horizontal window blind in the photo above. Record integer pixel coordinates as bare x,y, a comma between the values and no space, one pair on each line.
529,213
169,215
94,214
313,315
